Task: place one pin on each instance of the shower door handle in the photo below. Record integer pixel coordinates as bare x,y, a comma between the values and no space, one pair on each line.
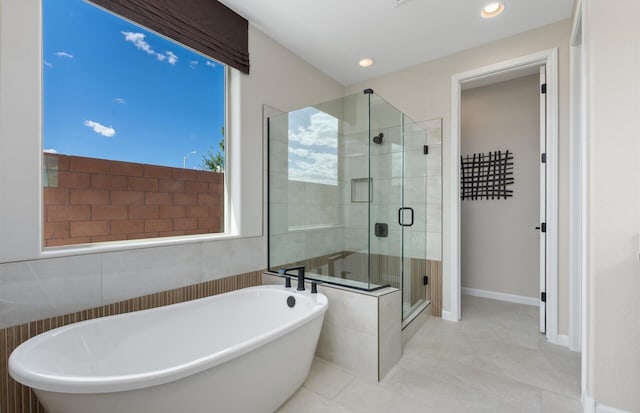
400,216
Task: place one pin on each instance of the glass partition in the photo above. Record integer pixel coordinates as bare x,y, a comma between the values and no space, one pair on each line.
348,195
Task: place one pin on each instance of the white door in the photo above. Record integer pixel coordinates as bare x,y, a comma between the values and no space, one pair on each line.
543,200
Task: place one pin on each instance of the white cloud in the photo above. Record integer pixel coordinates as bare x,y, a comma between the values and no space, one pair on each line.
107,131
193,64
49,65
50,151
64,54
211,64
171,57
138,40
119,100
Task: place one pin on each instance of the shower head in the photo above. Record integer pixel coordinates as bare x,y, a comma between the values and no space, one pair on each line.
378,139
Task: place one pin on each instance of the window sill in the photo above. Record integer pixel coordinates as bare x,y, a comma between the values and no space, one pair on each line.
112,246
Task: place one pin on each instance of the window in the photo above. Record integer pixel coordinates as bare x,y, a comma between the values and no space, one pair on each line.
133,127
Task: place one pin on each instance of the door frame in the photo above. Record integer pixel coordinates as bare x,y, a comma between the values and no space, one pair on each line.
452,253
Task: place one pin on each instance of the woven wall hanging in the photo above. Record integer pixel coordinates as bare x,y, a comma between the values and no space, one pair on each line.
486,175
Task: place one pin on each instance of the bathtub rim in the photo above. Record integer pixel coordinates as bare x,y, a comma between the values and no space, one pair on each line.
115,383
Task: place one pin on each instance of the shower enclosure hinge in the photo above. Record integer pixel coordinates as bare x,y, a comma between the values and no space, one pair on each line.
425,149
543,297
543,88
543,158
368,91
543,227
425,280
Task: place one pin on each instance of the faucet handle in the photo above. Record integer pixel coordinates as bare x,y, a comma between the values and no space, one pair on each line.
287,282
314,287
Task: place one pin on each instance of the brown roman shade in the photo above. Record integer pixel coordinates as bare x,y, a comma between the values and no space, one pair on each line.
207,26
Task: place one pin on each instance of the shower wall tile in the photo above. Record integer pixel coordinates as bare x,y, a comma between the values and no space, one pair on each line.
416,244
325,241
133,273
279,218
35,289
434,189
434,217
290,247
355,145
416,163
279,156
356,239
434,160
434,246
279,186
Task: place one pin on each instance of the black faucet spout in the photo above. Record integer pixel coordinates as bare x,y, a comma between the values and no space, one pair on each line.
300,270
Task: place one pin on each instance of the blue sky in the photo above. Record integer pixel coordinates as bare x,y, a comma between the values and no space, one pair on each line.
114,90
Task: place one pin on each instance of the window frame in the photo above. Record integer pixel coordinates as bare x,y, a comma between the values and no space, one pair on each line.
22,219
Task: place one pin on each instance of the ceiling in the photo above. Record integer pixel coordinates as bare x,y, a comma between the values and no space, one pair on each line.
333,35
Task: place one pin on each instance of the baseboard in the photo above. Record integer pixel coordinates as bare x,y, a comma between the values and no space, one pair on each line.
512,298
588,404
446,315
591,406
563,340
601,408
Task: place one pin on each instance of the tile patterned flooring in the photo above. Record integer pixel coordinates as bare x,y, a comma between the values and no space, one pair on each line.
494,360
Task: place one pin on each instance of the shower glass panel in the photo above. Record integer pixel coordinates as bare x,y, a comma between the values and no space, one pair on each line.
347,195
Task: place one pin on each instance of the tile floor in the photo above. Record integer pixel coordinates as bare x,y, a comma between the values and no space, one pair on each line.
494,360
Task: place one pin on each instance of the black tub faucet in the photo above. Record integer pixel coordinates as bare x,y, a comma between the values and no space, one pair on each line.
284,271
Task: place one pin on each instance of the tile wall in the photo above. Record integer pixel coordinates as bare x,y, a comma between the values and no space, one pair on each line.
38,289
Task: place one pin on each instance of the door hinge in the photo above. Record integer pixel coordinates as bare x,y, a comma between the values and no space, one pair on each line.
543,88
543,297
543,227
425,149
425,280
543,158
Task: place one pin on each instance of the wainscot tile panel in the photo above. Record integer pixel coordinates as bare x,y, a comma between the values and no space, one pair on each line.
16,398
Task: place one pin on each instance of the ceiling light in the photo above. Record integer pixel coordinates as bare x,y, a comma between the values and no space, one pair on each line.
365,62
492,9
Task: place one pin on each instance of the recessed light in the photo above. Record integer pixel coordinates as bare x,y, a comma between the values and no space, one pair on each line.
365,62
492,9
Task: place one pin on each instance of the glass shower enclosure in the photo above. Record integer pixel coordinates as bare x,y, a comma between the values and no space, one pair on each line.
347,195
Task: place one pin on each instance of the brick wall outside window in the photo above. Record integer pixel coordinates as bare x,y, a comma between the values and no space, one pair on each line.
94,200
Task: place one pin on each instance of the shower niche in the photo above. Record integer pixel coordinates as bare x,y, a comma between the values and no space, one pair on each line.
350,187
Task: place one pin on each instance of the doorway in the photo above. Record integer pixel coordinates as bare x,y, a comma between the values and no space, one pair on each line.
503,191
452,262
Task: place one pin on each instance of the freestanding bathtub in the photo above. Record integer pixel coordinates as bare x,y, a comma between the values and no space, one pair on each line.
243,351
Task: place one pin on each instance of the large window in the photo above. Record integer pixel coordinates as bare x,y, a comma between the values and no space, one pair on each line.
133,131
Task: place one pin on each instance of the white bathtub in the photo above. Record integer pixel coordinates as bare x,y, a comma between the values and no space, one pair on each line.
244,351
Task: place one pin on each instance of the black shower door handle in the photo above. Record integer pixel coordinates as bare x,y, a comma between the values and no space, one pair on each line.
402,224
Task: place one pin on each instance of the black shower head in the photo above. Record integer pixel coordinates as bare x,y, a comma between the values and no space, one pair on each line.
378,139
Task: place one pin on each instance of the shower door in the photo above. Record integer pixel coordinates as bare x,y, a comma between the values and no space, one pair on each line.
414,217
397,210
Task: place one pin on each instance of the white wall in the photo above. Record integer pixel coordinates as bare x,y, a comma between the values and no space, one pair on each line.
424,92
499,242
36,284
612,41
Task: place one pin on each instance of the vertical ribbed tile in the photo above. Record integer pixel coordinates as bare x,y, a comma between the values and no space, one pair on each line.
436,287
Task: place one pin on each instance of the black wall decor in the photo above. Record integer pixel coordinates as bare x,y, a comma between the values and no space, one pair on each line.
486,175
